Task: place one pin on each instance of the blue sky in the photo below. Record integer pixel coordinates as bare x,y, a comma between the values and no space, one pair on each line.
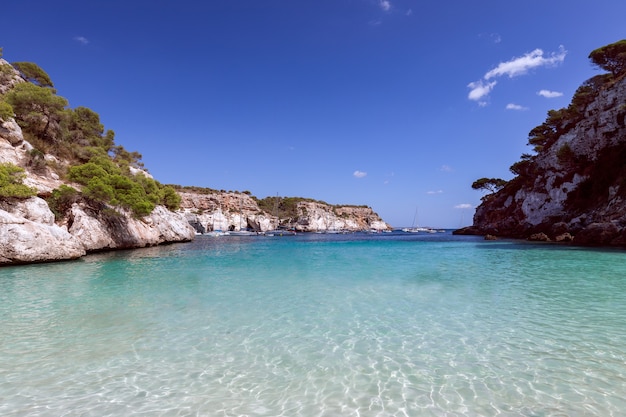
395,104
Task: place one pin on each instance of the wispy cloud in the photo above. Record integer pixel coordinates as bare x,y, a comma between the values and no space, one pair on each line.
359,174
385,5
446,168
435,192
513,106
493,37
521,65
549,94
409,12
480,89
81,39
514,68
463,206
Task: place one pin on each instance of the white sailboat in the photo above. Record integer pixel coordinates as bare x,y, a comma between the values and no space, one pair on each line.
413,228
417,229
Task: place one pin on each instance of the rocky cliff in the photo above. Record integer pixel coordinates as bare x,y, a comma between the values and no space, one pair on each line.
234,211
574,188
29,233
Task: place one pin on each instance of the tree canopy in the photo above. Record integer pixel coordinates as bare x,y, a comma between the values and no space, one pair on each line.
611,57
105,181
488,184
38,110
33,73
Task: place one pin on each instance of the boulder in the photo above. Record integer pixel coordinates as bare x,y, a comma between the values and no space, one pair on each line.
539,237
27,241
101,229
597,234
564,237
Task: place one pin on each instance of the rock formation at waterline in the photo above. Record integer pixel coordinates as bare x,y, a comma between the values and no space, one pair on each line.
234,211
574,188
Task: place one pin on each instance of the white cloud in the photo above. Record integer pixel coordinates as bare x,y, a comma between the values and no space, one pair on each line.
521,65
385,5
463,206
513,106
409,12
480,89
513,68
435,192
549,94
446,168
359,174
81,39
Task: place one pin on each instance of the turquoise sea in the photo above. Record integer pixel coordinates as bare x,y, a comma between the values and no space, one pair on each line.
318,325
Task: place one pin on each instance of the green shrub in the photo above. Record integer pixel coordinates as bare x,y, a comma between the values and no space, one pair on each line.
6,111
170,198
82,174
61,199
106,182
565,155
141,208
11,177
98,189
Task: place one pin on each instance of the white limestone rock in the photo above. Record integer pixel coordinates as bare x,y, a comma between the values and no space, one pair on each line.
26,241
34,209
108,229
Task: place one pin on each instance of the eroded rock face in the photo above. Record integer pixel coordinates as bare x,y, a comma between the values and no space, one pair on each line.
9,77
28,234
541,204
600,234
235,211
34,209
225,211
315,217
98,229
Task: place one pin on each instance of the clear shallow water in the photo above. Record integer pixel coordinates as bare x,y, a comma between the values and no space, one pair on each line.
318,325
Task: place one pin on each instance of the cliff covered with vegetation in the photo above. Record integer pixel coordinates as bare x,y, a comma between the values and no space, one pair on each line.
573,186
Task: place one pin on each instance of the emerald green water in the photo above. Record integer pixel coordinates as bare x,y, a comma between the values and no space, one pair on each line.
318,325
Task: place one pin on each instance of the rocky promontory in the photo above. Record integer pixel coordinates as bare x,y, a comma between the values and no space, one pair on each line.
574,188
228,211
